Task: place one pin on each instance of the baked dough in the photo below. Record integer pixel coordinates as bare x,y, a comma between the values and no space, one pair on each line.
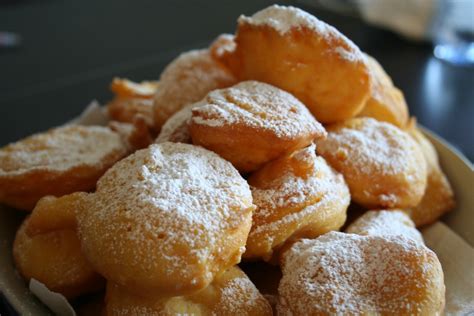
297,196
167,219
348,274
231,293
293,50
57,162
252,123
383,166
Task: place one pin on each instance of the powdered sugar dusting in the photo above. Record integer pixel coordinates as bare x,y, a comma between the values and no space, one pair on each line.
61,149
167,208
187,80
284,19
341,273
176,128
259,106
385,223
317,192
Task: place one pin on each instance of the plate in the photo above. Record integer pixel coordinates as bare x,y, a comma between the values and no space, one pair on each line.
458,169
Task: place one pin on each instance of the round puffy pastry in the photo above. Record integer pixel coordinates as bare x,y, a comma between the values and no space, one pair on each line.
385,223
348,274
252,123
386,102
188,79
439,197
55,259
131,100
176,128
57,162
293,50
231,293
383,166
136,135
167,219
297,196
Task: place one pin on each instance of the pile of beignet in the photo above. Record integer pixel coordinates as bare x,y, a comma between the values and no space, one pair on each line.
252,149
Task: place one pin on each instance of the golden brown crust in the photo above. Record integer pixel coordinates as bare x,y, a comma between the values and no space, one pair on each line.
55,259
439,196
297,196
383,166
132,99
168,219
57,162
187,79
348,274
252,123
386,102
231,293
309,59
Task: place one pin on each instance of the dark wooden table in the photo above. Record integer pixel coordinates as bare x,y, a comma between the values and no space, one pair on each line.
72,49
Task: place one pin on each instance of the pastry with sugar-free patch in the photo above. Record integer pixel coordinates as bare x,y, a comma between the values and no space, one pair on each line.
132,99
187,79
252,123
383,166
386,102
348,274
231,293
167,219
385,223
293,50
439,196
297,196
57,162
55,259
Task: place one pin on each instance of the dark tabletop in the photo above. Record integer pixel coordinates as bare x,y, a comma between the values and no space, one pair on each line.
72,49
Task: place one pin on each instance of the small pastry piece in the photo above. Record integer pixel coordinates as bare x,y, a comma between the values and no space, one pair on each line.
52,213
57,162
385,223
176,128
231,293
188,79
222,45
439,197
383,166
293,50
56,260
297,196
167,219
348,274
131,100
386,102
252,123
137,135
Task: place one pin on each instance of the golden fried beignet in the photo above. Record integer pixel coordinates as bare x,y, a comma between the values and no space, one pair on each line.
383,166
132,99
57,162
56,260
176,128
293,50
385,223
52,213
348,274
297,196
231,293
386,102
188,79
168,219
439,197
252,123
222,45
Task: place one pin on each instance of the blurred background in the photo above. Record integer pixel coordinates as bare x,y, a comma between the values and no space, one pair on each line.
58,55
